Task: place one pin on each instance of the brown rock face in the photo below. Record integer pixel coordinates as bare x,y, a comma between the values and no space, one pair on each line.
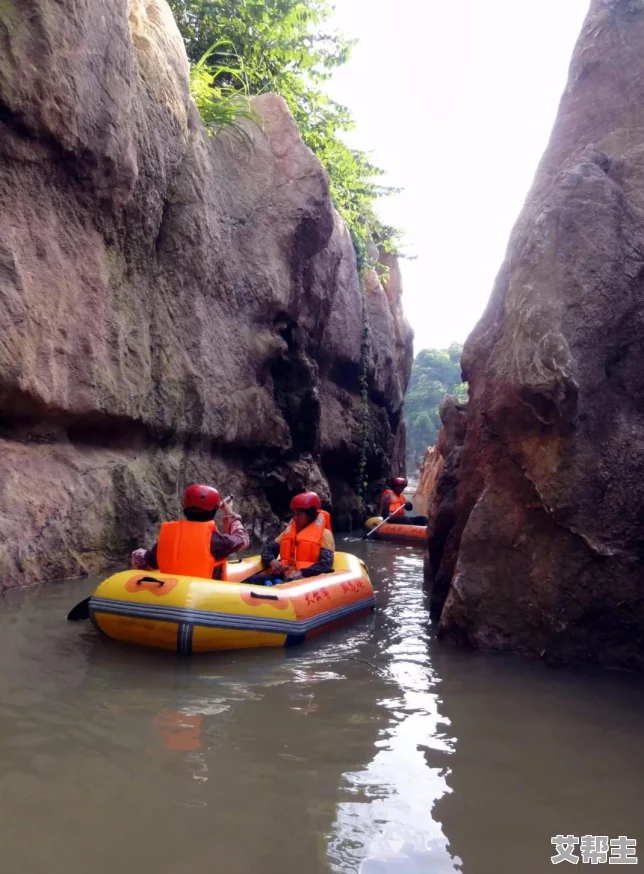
430,469
450,437
441,469
546,552
173,308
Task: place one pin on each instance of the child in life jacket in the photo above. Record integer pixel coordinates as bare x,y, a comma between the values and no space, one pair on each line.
304,549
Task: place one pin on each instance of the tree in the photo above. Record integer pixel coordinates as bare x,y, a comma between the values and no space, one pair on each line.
285,46
434,373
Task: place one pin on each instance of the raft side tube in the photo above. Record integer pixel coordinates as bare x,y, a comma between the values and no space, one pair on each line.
189,614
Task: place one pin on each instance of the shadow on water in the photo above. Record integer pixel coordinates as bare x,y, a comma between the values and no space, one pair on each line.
372,750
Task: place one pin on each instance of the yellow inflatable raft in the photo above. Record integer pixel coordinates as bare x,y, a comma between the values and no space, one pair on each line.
196,615
394,531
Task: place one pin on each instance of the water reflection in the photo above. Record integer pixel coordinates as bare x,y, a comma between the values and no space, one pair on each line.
384,819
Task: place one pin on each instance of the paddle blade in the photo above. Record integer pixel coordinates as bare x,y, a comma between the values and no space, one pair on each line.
79,612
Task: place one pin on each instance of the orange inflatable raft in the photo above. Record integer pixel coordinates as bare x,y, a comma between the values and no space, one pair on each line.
189,615
396,531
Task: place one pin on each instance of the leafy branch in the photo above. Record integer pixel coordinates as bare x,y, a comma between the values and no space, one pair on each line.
241,48
221,93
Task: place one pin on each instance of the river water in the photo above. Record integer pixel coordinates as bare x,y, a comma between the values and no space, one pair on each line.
372,750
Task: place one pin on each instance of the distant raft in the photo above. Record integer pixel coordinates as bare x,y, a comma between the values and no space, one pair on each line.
395,531
189,614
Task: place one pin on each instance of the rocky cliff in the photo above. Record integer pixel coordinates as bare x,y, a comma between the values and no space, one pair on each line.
174,307
546,551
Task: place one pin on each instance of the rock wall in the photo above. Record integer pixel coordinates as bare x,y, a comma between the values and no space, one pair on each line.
441,480
174,307
453,416
429,473
430,469
546,551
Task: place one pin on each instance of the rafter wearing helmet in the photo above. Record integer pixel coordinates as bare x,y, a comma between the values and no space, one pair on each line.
195,546
304,549
392,503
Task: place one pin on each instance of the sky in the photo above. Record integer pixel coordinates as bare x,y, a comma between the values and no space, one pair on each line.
455,99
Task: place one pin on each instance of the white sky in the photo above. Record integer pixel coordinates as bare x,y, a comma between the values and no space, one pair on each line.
456,100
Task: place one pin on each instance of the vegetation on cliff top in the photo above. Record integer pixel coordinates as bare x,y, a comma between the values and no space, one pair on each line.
255,46
434,373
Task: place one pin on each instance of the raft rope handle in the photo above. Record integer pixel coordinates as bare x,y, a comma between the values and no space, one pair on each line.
150,580
264,597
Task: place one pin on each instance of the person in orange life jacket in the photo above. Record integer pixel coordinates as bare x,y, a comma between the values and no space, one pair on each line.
392,501
195,546
304,549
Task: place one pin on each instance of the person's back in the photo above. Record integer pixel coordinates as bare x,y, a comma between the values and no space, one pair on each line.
195,546
184,548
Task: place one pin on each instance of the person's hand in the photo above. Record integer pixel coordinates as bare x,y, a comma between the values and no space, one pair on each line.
276,566
293,575
227,507
409,506
137,560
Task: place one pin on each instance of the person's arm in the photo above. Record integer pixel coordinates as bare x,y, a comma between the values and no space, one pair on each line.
233,539
270,551
144,559
270,555
324,564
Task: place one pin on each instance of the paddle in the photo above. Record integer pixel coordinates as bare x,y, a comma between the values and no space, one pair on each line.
80,611
366,536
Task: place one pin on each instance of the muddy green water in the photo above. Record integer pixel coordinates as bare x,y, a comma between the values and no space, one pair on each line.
372,750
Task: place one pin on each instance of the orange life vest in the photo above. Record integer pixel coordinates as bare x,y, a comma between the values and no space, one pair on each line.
396,503
301,549
184,548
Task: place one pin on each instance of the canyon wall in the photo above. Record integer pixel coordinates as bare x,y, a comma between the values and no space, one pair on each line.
174,307
545,552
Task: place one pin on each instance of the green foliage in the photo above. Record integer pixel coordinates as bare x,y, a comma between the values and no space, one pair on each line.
221,93
435,373
284,46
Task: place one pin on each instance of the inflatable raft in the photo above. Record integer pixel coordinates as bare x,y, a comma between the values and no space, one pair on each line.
396,531
197,615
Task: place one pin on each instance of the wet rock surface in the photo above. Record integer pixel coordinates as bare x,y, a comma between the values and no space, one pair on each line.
174,307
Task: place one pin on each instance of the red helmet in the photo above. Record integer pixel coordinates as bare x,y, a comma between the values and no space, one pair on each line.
306,501
201,498
399,481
